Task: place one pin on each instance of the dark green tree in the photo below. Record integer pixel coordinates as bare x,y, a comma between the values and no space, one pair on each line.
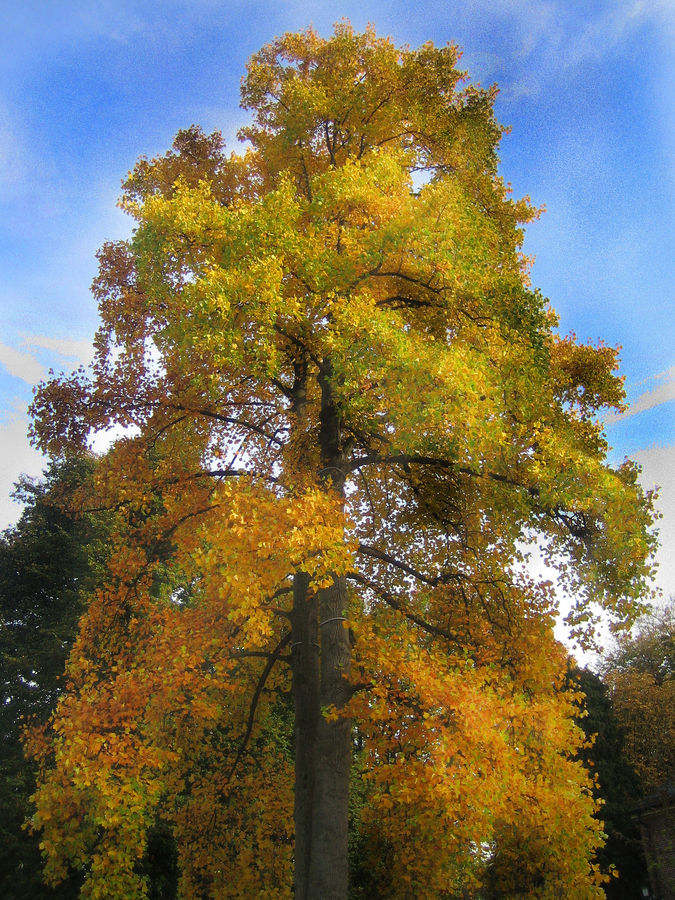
47,562
618,787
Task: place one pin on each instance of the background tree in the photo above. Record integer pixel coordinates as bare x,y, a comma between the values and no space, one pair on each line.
617,785
47,562
640,672
346,409
649,648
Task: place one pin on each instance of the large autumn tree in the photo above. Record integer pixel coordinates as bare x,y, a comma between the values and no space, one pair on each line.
345,412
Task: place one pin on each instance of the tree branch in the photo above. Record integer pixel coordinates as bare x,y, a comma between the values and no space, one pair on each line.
230,420
374,553
404,459
273,657
391,601
398,301
378,273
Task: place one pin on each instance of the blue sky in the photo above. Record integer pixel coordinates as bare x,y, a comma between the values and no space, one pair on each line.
587,87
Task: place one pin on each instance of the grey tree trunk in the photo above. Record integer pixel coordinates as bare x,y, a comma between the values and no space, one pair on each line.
306,683
328,871
320,661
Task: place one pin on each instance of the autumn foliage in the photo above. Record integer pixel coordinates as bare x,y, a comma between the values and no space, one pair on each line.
344,412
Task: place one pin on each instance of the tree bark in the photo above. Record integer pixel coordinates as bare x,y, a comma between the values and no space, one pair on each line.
328,873
321,658
306,679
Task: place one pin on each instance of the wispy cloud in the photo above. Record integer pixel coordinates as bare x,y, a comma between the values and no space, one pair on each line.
614,24
24,364
80,350
658,465
17,458
20,364
551,39
662,392
51,25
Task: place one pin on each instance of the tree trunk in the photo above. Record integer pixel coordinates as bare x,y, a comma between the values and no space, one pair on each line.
305,669
321,658
328,872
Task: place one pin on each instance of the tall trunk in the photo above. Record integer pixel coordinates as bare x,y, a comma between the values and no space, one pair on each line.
328,873
321,660
322,746
305,669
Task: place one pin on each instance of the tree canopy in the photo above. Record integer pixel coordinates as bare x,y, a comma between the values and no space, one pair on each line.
344,413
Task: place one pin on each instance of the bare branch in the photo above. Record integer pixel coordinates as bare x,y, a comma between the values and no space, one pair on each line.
230,420
398,301
378,273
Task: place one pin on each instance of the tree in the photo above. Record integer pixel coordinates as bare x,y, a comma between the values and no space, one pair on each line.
640,672
617,786
345,410
649,648
46,562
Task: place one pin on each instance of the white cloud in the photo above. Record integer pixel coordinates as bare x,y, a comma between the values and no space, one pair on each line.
661,393
668,375
80,350
26,366
658,469
17,458
22,365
